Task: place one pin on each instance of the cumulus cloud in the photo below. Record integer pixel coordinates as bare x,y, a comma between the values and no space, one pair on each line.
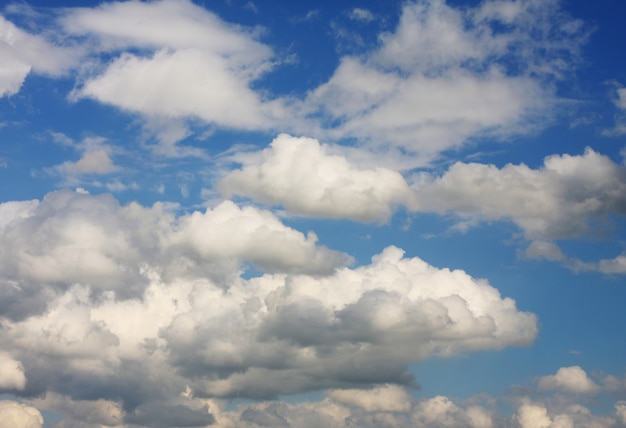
102,296
533,414
336,412
73,238
11,373
445,75
254,235
85,413
300,333
17,415
302,175
570,379
559,200
387,398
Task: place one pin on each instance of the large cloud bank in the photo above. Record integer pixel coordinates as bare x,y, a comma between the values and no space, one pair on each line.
136,306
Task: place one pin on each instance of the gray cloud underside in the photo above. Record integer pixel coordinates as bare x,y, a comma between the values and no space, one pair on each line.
135,306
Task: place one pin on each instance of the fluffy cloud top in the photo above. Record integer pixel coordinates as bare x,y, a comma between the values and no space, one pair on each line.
257,236
555,201
111,296
16,415
72,238
571,379
290,334
11,373
301,175
387,398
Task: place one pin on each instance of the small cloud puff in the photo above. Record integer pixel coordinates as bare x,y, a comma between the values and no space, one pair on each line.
569,379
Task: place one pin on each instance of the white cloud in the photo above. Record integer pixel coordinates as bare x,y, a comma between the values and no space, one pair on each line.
183,83
192,64
620,117
550,251
96,162
361,14
72,238
304,177
21,53
620,409
15,210
614,265
11,373
445,75
439,411
536,414
228,231
102,296
386,398
570,379
559,200
533,416
621,99
332,331
16,415
95,159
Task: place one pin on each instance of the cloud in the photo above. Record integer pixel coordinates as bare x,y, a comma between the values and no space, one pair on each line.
614,265
102,296
533,414
95,159
386,398
300,333
85,413
360,14
257,236
441,78
191,63
73,238
570,379
21,53
445,75
304,177
11,373
620,117
550,251
560,200
16,415
183,83
436,411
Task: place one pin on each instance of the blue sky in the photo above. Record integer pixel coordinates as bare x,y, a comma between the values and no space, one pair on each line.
273,213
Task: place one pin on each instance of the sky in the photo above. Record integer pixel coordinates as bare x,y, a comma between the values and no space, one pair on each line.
370,213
